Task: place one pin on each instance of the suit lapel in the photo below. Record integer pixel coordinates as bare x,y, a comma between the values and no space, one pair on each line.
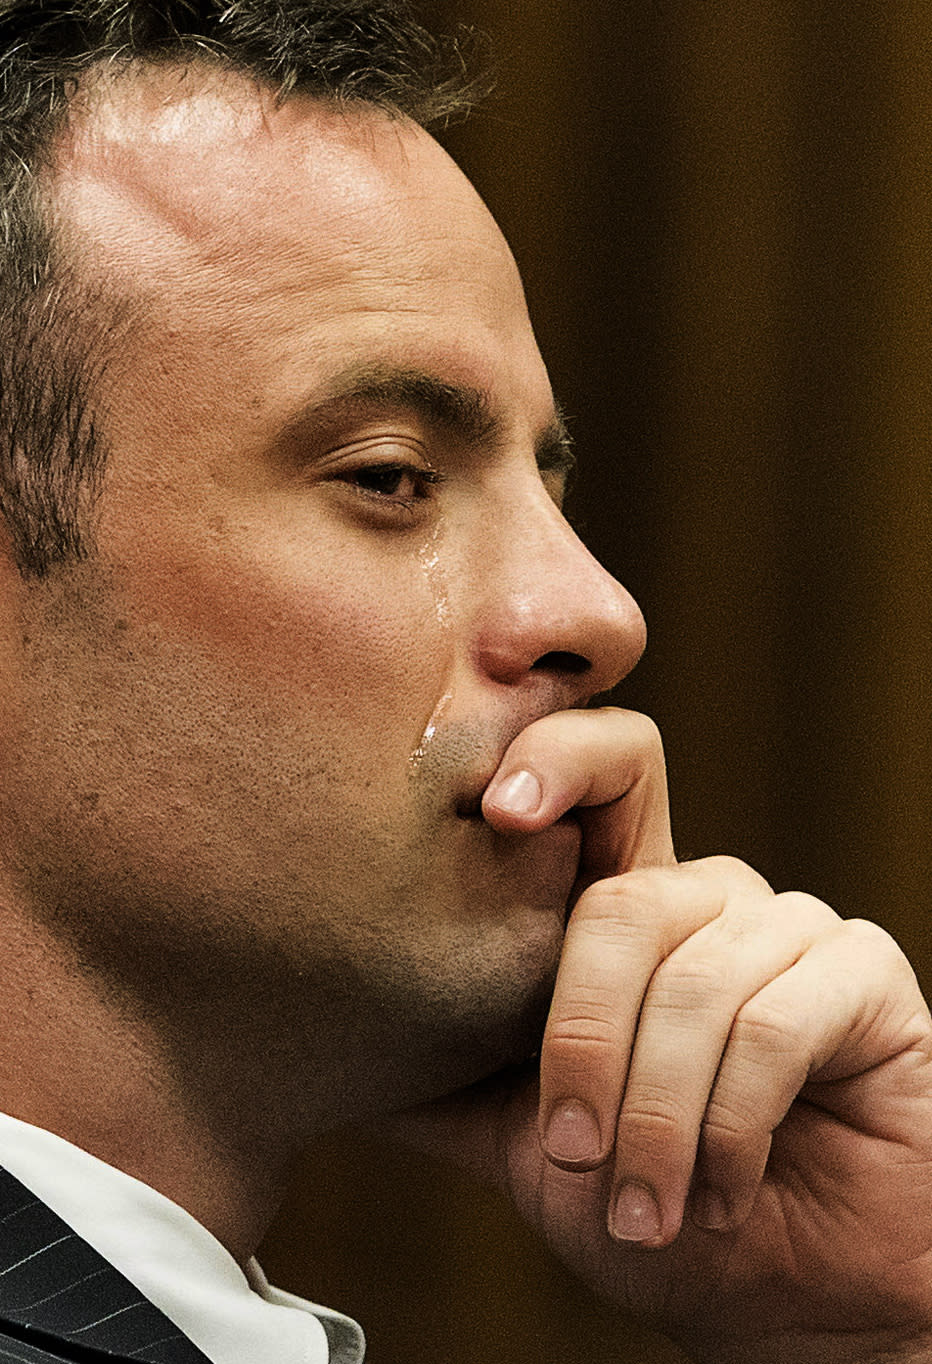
54,1284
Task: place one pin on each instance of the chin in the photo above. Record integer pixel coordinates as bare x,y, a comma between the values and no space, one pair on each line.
422,1002
485,1010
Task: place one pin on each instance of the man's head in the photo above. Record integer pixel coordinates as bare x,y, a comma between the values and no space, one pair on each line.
329,581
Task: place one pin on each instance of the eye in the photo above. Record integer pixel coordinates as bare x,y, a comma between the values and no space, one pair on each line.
392,485
405,482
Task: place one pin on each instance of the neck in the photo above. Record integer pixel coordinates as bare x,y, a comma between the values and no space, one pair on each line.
74,1061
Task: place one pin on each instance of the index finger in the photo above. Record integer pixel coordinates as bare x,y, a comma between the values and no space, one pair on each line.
607,766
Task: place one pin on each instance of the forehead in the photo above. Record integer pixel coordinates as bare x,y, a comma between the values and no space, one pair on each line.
292,231
198,172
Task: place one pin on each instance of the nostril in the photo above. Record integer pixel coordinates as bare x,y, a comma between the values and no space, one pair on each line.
561,661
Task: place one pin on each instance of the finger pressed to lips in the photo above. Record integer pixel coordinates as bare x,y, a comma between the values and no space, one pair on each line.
605,764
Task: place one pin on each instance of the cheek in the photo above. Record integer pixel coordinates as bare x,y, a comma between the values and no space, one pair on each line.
336,632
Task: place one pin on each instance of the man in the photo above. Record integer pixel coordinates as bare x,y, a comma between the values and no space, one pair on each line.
300,782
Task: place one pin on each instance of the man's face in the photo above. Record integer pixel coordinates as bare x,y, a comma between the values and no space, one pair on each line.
331,584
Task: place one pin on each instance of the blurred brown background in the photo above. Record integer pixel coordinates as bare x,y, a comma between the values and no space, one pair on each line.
722,213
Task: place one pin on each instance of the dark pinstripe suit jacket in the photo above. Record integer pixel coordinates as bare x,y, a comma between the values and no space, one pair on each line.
61,1300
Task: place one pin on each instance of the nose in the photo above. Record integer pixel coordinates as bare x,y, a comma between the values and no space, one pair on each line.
549,608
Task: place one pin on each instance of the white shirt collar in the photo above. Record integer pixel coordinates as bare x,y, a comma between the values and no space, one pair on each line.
232,1317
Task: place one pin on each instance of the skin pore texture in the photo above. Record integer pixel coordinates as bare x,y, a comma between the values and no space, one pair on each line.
240,842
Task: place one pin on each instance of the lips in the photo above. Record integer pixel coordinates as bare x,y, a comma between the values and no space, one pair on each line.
468,804
479,773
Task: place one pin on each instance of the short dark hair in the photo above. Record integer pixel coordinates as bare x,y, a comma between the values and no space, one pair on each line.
54,338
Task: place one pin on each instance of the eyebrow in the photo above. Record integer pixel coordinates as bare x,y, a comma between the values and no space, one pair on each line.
464,411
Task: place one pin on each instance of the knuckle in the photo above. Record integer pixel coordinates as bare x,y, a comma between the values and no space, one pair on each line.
767,1028
864,933
868,942
621,909
594,1028
651,1114
581,1050
574,1036
649,737
807,908
731,1128
609,899
731,871
589,1020
639,888
577,1059
687,987
643,733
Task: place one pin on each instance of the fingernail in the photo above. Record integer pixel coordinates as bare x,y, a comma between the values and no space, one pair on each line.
710,1210
635,1214
572,1136
521,794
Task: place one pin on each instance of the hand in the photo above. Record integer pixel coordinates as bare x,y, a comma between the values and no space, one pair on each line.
732,1130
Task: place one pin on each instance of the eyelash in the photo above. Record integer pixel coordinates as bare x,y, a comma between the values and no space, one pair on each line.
422,479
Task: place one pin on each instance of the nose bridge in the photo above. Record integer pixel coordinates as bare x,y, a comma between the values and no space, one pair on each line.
548,604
